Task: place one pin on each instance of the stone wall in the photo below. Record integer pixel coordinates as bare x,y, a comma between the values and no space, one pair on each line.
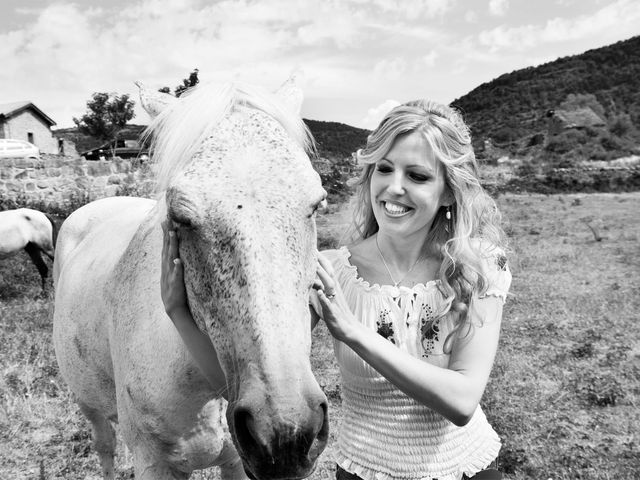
54,180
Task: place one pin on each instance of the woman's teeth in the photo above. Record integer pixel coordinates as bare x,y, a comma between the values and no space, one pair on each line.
395,209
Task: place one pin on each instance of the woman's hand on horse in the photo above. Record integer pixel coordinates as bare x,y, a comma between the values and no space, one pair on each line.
172,290
335,310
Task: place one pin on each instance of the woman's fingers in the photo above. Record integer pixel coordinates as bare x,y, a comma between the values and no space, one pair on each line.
328,284
324,300
325,264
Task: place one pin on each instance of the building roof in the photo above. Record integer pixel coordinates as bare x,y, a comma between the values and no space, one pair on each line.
580,117
8,110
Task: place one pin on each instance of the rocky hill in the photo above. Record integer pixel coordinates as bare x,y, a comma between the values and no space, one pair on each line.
337,139
515,110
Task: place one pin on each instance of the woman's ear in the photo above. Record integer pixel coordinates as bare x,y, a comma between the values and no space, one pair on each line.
448,198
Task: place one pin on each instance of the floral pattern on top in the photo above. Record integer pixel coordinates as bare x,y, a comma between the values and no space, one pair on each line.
429,329
501,262
385,325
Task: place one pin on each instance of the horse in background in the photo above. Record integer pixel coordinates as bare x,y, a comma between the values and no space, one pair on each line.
29,230
234,177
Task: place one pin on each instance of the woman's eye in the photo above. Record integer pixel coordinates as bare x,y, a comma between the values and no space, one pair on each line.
417,177
384,169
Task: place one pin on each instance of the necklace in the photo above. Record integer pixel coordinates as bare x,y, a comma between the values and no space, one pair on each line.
384,262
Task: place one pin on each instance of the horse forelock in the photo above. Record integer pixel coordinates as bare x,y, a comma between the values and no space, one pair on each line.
180,131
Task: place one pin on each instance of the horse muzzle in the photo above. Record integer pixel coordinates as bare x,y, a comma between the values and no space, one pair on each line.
276,437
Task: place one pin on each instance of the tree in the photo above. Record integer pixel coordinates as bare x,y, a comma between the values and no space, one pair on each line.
107,114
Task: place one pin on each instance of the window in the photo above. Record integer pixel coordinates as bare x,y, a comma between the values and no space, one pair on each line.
30,137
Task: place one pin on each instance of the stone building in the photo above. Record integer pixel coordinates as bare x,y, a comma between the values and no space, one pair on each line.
559,120
25,121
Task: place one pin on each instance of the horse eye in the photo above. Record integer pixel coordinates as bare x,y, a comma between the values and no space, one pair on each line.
181,221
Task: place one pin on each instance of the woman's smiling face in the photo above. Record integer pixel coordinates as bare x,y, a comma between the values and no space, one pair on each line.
408,187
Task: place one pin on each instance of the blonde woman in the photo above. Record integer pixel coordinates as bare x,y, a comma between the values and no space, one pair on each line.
414,304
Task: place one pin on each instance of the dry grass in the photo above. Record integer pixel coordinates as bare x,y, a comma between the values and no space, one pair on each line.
563,395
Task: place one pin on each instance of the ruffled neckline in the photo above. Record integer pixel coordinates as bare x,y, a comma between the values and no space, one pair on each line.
386,288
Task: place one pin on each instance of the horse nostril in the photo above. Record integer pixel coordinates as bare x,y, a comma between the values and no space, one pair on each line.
323,433
245,429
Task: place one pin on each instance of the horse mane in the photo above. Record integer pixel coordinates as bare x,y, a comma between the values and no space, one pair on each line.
178,132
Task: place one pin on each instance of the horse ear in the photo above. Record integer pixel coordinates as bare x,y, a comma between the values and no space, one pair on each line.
154,101
290,92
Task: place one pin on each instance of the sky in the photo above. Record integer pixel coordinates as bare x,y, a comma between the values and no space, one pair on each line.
358,58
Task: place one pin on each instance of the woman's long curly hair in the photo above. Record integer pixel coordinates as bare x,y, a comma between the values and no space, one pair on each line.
463,243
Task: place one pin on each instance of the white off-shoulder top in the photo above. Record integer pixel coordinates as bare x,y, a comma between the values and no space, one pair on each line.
386,435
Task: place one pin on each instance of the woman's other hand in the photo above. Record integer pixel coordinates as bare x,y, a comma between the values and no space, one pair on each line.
335,310
172,289
174,297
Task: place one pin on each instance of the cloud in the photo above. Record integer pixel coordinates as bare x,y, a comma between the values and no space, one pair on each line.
354,52
430,58
618,18
414,9
66,51
375,114
498,7
390,69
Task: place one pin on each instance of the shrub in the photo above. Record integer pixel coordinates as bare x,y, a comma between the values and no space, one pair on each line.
505,135
611,142
566,141
621,125
60,210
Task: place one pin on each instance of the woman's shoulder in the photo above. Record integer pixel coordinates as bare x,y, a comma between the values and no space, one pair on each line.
334,254
495,267
492,256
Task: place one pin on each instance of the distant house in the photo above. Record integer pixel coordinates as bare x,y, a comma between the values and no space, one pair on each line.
559,120
25,121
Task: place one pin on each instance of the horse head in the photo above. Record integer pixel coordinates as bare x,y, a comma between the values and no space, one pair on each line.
240,188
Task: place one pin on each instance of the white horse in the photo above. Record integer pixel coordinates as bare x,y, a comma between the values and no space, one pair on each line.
32,231
239,185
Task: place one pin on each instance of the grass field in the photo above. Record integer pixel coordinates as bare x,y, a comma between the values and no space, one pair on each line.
563,395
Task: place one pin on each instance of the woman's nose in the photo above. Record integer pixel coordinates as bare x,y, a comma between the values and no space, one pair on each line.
396,184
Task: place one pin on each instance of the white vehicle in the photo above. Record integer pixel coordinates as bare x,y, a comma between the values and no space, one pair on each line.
10,148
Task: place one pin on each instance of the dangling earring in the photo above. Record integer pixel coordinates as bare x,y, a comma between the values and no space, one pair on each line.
447,215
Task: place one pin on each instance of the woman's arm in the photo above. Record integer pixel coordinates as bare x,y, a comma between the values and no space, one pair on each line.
174,298
454,392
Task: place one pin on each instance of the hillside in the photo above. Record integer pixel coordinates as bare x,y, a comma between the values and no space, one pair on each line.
337,139
512,109
333,139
